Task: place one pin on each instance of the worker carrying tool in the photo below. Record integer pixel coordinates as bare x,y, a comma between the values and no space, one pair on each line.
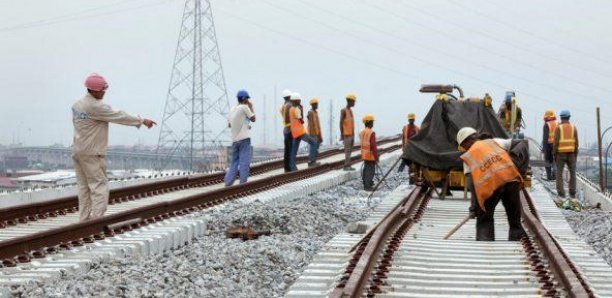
548,138
288,140
493,177
506,114
565,151
347,130
90,118
408,131
314,125
240,118
298,133
369,152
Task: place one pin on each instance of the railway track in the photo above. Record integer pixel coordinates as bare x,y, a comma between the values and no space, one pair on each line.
404,255
42,233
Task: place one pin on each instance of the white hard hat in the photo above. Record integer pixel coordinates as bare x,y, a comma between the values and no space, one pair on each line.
464,133
296,96
286,93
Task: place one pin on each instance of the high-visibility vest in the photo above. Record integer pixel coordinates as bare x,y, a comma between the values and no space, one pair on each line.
348,123
366,149
284,114
552,127
314,128
409,132
491,168
567,138
297,127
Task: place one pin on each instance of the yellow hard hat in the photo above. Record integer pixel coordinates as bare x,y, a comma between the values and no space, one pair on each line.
549,113
351,96
411,116
368,117
314,100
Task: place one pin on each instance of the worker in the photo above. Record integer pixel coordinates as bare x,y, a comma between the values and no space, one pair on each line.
548,138
408,131
240,118
347,130
288,141
565,152
90,118
493,177
314,125
505,114
298,133
369,152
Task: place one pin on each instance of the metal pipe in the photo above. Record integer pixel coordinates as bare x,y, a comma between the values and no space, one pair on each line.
599,137
606,168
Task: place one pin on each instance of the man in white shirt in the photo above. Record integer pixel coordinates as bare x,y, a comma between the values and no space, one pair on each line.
90,118
240,118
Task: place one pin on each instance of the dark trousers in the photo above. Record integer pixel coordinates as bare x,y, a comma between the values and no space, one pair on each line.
509,194
570,160
548,157
288,145
367,175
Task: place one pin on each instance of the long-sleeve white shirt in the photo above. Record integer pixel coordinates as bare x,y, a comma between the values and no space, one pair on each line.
90,118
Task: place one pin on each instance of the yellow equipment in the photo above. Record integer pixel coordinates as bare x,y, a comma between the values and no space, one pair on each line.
351,96
549,113
368,117
314,100
411,116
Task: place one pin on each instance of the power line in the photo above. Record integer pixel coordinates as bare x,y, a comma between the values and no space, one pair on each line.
79,15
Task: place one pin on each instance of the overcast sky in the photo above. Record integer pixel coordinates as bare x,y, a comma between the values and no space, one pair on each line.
555,54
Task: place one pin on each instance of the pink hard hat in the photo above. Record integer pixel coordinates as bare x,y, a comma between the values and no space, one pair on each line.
96,82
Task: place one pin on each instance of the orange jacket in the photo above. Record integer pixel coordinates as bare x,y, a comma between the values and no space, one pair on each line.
297,124
369,151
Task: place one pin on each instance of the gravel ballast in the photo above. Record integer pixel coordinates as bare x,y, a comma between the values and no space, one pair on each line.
215,266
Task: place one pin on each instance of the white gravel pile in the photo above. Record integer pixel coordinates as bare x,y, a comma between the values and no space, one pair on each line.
214,266
594,227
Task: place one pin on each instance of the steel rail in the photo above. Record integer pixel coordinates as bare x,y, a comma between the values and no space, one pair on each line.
357,277
560,264
21,249
31,212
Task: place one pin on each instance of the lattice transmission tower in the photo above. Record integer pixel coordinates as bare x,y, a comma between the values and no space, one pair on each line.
194,125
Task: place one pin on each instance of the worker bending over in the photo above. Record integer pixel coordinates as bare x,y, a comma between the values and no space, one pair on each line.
494,177
347,130
548,138
288,140
408,131
369,152
298,133
314,125
565,151
90,118
240,118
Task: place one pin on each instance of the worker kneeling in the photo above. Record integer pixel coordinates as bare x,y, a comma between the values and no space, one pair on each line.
494,177
369,152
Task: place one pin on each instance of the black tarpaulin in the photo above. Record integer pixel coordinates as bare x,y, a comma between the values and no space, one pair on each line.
435,146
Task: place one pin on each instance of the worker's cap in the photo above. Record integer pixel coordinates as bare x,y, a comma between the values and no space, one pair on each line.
296,96
351,96
549,113
464,133
411,116
565,114
96,82
314,100
242,95
368,117
286,93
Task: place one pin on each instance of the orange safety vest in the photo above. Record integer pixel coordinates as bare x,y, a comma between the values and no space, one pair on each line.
567,138
283,112
408,133
491,168
314,128
297,127
348,123
552,126
366,150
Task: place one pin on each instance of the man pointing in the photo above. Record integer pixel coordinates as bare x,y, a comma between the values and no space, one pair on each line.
90,118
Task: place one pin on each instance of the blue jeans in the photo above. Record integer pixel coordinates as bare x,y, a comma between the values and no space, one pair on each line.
241,161
312,153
